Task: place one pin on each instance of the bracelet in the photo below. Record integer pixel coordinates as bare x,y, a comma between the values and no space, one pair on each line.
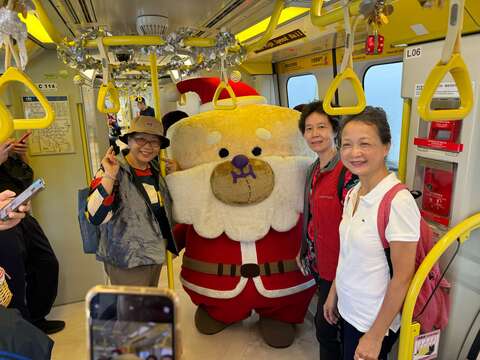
109,177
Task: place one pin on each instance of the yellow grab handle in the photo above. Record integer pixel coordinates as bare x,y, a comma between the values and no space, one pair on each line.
105,89
347,74
220,87
456,66
6,123
14,74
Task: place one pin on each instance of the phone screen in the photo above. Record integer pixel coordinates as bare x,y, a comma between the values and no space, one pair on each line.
131,326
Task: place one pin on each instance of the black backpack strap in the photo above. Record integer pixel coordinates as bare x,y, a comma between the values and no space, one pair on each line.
475,349
341,183
140,187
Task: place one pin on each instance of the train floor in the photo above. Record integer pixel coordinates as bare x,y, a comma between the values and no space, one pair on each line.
237,342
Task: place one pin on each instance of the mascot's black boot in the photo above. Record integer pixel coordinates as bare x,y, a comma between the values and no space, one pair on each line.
206,324
277,334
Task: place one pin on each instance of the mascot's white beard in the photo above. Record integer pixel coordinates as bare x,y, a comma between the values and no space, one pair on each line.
194,202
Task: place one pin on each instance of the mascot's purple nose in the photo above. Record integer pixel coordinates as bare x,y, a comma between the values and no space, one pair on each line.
240,161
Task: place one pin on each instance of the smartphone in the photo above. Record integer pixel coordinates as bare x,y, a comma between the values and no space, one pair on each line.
138,321
22,198
24,137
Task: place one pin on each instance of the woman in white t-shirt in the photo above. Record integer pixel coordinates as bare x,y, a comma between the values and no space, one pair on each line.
364,295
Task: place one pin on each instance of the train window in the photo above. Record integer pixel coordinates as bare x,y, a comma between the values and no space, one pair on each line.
382,84
301,89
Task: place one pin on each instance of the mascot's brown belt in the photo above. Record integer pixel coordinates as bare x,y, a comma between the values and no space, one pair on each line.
245,270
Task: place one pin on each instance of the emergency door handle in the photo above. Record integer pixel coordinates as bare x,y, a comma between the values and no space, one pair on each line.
224,85
8,121
347,74
457,68
108,89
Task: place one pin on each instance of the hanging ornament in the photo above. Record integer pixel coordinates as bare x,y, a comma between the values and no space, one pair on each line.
374,44
12,28
235,76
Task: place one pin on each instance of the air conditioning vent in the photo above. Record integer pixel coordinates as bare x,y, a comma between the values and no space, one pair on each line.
291,65
152,25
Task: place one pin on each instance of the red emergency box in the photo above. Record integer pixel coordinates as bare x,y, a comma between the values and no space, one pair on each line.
443,135
437,195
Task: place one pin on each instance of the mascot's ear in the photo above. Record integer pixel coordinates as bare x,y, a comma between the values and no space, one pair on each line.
191,105
188,102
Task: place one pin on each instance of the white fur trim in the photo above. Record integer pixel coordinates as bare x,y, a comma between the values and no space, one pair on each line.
214,137
216,294
249,253
195,204
263,134
249,256
242,100
281,292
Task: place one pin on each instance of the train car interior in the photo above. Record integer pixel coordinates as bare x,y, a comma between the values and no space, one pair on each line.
78,73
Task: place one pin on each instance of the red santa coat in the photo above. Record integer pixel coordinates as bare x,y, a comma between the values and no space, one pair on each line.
228,298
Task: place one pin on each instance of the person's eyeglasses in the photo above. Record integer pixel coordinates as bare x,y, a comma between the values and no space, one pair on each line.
142,142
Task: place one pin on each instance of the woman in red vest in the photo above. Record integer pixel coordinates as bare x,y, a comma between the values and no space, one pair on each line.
326,185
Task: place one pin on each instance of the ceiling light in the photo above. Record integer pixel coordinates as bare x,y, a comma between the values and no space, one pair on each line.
35,27
286,15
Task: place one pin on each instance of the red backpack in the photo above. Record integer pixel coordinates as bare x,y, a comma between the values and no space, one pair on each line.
433,303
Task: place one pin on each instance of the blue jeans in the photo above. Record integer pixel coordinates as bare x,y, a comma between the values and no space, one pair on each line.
328,335
351,337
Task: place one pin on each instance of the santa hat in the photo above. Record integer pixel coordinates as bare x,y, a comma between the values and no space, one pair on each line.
204,89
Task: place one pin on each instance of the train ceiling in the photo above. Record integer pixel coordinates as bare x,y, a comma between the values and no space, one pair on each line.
409,22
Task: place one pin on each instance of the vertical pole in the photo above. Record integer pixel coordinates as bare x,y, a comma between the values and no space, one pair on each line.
158,115
83,136
402,163
155,88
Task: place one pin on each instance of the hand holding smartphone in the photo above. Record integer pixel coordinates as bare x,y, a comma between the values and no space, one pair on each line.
23,198
138,321
24,137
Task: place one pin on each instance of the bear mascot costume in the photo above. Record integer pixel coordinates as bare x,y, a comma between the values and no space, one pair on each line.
238,202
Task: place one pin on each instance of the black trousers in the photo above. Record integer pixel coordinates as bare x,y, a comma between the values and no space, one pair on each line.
351,337
27,256
328,335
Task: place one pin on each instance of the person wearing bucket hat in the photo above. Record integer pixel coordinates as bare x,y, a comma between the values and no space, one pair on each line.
130,202
143,108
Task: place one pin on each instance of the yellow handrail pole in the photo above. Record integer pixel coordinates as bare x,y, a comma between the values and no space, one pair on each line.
47,24
272,24
158,112
450,62
333,16
408,330
155,88
145,40
402,163
199,42
83,136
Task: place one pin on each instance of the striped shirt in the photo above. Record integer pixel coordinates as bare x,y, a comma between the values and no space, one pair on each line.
101,205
